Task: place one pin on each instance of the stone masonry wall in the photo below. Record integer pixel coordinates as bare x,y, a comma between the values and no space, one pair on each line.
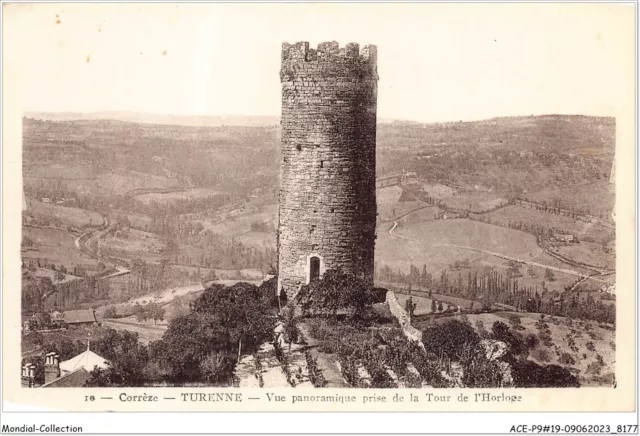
327,163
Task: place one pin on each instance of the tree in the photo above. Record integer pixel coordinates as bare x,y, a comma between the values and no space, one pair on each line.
450,338
410,307
229,321
336,290
155,312
515,322
211,277
217,368
501,332
548,275
141,313
566,359
127,359
528,374
110,312
513,270
433,306
440,308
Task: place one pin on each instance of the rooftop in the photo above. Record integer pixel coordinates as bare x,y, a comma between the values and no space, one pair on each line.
87,360
79,316
73,379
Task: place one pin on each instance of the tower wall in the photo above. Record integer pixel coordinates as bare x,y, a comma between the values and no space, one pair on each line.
328,161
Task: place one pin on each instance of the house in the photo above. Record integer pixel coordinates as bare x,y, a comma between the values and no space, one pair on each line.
79,317
563,237
57,316
87,360
75,379
72,373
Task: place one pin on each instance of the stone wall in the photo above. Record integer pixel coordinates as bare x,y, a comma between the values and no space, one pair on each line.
402,316
328,161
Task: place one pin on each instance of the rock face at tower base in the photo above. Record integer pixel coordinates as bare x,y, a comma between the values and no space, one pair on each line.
327,214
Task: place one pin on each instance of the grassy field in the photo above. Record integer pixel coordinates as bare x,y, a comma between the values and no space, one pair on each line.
139,221
258,239
437,191
423,304
387,199
46,272
67,216
56,246
237,223
518,214
400,253
177,195
525,215
419,216
400,209
589,253
94,181
223,274
475,201
597,197
474,234
133,243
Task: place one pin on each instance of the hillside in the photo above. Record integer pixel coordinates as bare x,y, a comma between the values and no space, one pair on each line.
510,155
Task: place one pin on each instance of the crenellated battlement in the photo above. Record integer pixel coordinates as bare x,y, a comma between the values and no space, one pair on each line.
300,51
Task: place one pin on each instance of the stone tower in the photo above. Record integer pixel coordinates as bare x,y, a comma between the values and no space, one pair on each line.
327,215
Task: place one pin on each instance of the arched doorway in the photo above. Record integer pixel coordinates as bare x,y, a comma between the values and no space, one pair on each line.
314,268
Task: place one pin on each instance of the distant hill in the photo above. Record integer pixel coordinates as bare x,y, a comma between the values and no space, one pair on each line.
165,119
241,154
172,120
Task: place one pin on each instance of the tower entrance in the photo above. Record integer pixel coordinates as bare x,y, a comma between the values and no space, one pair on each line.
314,268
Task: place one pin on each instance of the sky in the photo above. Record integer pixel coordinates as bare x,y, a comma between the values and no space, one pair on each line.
436,62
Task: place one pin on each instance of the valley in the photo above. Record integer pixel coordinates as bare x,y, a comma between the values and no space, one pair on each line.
124,214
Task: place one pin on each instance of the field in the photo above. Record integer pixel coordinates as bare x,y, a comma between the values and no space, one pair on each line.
238,223
423,304
437,191
93,181
67,216
474,234
258,239
222,274
177,195
146,332
518,214
132,244
139,221
55,245
428,246
46,272
424,214
477,201
596,198
387,199
525,215
589,253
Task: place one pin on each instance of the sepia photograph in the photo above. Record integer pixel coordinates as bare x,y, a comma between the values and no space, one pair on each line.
430,204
